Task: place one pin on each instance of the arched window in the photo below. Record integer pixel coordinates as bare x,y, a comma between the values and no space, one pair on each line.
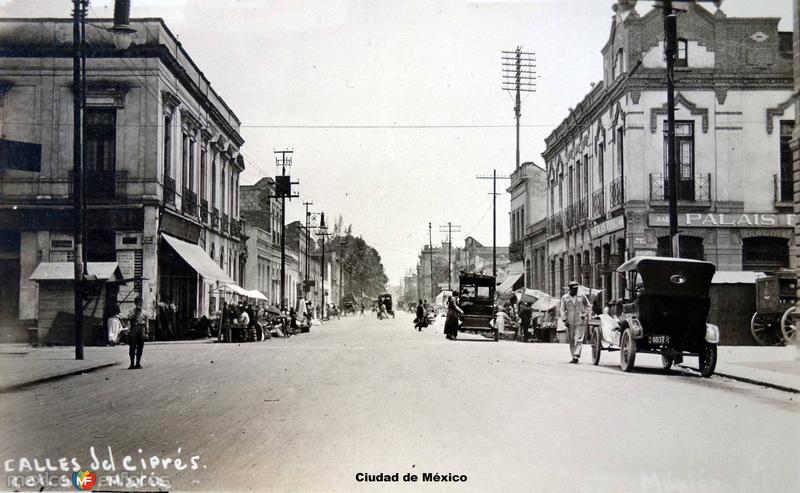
765,253
682,54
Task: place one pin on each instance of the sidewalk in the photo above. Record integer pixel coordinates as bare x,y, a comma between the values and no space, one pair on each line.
777,367
22,366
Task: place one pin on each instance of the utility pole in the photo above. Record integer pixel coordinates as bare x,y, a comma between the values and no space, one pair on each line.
519,75
306,288
283,190
323,231
78,60
670,45
494,194
430,252
449,230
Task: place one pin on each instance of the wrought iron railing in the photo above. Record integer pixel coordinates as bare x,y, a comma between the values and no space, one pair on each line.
599,203
224,224
235,230
169,190
555,224
696,190
204,211
570,216
101,186
189,202
582,210
783,189
215,218
617,191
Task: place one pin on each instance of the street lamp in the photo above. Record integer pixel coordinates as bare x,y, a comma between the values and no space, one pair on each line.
122,30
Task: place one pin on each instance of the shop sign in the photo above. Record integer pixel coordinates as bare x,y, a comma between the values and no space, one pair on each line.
726,220
608,226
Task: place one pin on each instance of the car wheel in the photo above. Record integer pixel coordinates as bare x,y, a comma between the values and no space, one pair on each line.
666,361
627,351
596,346
708,359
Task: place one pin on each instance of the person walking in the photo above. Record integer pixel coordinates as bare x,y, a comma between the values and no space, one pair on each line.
136,334
451,322
574,311
421,320
525,319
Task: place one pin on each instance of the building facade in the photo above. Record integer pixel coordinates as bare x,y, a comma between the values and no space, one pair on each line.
261,211
161,165
607,193
528,190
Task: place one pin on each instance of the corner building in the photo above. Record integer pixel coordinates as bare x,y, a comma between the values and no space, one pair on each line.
607,194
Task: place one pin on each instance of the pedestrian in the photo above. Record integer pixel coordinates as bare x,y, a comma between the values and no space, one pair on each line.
574,311
500,319
451,322
525,318
136,334
421,320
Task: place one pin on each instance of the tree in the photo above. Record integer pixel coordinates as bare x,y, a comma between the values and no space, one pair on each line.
361,263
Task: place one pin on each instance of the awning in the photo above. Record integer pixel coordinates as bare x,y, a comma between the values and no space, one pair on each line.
233,288
508,285
256,295
65,271
546,304
736,277
198,259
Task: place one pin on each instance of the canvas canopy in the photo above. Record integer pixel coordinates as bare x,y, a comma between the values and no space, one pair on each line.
65,271
198,260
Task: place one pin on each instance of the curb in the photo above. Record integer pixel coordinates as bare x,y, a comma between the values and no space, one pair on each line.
21,386
759,382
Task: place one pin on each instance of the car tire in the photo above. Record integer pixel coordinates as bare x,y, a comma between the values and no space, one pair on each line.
627,351
708,359
597,346
667,361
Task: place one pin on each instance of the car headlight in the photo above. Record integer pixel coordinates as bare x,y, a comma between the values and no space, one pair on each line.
712,334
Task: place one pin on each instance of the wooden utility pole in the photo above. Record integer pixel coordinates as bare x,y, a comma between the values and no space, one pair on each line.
494,194
283,190
519,75
448,228
430,252
78,61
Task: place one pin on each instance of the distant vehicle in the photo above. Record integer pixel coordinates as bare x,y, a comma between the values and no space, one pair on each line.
477,303
665,313
349,304
386,300
776,295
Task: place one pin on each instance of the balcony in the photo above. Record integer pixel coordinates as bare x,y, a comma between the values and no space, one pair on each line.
696,191
169,190
204,211
598,203
555,224
189,202
215,218
235,228
783,191
582,210
516,251
224,224
617,191
103,186
570,217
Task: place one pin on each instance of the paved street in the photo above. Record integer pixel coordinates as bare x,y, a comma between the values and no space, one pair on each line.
362,395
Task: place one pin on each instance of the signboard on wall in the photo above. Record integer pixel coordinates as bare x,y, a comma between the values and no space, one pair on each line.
726,220
608,226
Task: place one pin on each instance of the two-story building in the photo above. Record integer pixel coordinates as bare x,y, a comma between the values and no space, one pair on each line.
161,165
261,210
607,193
528,189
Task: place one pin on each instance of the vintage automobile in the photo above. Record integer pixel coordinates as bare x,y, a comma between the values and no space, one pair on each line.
349,304
477,303
665,313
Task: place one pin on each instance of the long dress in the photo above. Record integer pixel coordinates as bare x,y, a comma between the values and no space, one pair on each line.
451,322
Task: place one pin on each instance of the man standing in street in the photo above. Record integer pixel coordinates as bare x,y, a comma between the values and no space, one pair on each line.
575,314
525,317
136,334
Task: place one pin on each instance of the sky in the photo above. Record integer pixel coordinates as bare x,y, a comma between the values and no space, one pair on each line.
391,107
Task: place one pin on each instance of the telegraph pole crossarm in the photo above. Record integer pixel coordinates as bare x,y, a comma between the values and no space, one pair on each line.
449,228
494,195
283,190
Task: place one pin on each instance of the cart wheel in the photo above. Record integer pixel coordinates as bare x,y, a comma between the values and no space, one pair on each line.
788,326
627,351
708,359
597,346
763,329
666,361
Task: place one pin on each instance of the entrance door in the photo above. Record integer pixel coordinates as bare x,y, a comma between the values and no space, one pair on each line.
684,159
9,273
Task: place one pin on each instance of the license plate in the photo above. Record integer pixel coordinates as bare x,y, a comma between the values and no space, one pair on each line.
658,339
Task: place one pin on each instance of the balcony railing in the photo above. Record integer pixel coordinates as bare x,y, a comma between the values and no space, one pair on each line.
599,203
189,202
783,190
617,191
235,228
696,190
555,224
582,210
102,186
169,190
569,217
204,211
224,225
215,218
